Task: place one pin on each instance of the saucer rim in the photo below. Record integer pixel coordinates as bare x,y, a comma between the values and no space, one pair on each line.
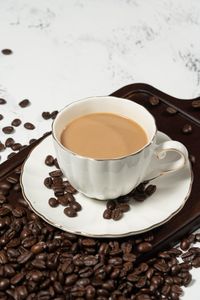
113,235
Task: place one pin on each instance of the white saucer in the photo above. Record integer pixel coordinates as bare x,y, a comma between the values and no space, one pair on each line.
172,192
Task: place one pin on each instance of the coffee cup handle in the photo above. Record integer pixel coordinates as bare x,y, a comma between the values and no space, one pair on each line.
160,153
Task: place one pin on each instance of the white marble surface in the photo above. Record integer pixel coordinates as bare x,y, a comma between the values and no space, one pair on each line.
64,50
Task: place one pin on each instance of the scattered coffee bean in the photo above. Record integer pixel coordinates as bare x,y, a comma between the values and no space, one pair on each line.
116,214
1,117
154,100
16,146
16,122
46,115
144,247
54,114
187,129
8,129
111,204
150,190
196,104
70,212
107,214
24,103
29,126
49,160
171,110
2,101
6,51
56,173
53,202
9,142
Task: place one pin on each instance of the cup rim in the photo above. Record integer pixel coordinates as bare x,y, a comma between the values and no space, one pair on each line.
100,159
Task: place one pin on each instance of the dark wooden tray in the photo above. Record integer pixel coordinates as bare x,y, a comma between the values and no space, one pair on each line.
188,219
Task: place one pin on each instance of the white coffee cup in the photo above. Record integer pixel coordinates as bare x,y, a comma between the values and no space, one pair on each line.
110,178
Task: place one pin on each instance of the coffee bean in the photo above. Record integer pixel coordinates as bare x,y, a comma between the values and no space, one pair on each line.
70,212
1,117
56,173
111,204
11,155
196,104
107,214
16,122
29,126
9,142
4,284
144,247
53,202
24,103
185,244
116,214
187,129
24,257
171,110
150,190
76,206
8,129
46,115
2,147
124,207
49,160
140,197
54,114
70,189
16,146
2,101
6,51
154,100
48,182
196,262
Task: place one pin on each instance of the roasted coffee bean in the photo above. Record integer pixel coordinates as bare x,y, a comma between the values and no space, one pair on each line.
154,100
196,262
124,207
144,247
2,101
187,129
2,147
16,122
9,142
111,204
54,114
24,103
139,196
150,190
71,279
46,115
56,163
171,110
107,214
4,284
53,202
6,51
70,212
48,182
8,129
11,155
70,189
4,211
76,206
116,214
56,173
185,244
29,126
24,257
16,146
196,104
62,200
49,160
1,117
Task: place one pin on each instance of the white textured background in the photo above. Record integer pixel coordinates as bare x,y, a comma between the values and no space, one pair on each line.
64,50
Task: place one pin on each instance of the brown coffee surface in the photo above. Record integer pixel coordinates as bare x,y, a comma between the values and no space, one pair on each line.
103,136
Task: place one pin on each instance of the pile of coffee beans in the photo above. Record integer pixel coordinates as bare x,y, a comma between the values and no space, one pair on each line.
63,190
116,208
39,261
47,115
